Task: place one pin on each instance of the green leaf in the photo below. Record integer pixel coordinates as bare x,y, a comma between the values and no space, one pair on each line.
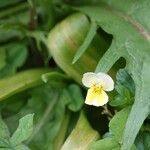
23,131
4,132
55,124
46,13
41,101
86,43
146,141
15,58
125,90
3,57
123,98
7,3
51,113
20,82
21,147
63,52
39,37
55,79
142,141
13,10
4,143
129,25
117,124
76,98
105,144
116,129
125,79
82,135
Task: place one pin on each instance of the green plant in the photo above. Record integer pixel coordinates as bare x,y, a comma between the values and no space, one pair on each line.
46,47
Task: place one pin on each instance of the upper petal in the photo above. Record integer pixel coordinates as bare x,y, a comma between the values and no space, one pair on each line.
105,81
89,79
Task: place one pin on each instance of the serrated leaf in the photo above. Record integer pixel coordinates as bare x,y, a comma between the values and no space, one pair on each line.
129,25
105,144
23,131
41,101
117,124
116,130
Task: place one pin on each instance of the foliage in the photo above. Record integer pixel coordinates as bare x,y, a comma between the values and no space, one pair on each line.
21,134
46,46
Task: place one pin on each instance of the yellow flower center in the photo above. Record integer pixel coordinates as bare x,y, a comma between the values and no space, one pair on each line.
96,89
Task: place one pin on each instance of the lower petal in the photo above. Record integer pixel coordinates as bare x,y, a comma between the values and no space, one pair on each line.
96,99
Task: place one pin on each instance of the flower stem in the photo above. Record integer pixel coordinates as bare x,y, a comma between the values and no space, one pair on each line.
107,112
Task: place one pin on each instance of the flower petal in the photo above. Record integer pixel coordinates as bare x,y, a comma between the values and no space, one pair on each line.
96,99
89,79
105,81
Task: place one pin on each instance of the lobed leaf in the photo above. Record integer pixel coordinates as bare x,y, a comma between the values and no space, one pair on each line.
117,124
129,25
106,144
23,131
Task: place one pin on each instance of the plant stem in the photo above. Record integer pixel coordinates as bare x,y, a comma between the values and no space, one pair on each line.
45,117
62,132
107,112
33,15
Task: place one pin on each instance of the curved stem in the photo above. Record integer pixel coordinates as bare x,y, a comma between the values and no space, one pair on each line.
107,112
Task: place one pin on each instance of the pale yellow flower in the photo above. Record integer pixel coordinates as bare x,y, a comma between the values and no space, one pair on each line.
97,83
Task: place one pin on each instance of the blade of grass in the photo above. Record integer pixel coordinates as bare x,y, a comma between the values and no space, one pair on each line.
20,82
87,41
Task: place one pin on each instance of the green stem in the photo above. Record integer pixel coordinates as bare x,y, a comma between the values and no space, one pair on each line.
12,10
45,117
62,133
33,15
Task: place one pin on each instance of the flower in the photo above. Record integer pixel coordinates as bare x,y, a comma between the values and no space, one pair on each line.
97,83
